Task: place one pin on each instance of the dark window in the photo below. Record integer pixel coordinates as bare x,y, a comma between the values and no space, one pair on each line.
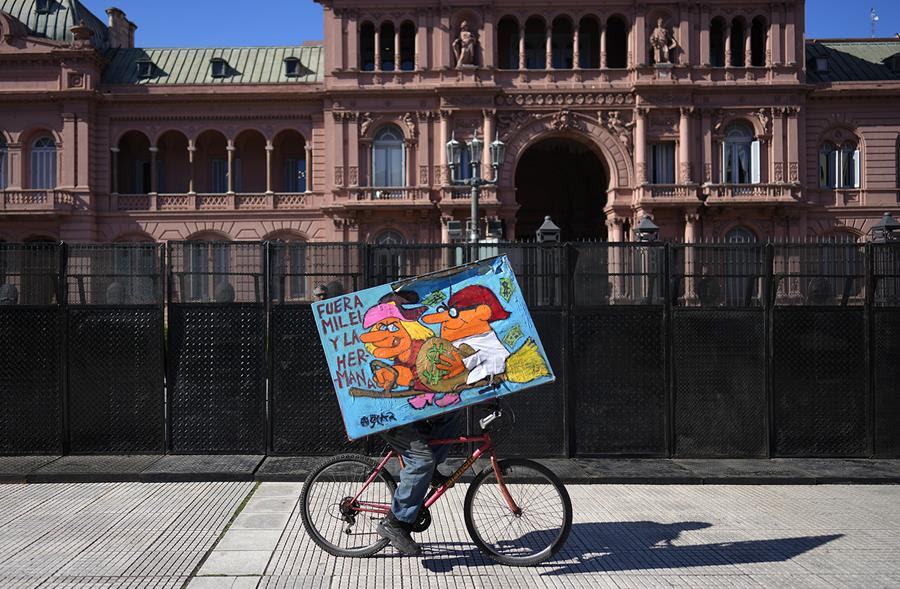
3,152
407,47
758,34
717,43
219,67
43,6
292,67
387,46
588,43
737,43
508,44
535,44
616,43
562,43
367,47
144,69
662,163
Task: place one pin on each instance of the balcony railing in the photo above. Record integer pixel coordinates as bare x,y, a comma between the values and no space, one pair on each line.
462,194
36,200
670,193
213,202
399,195
751,192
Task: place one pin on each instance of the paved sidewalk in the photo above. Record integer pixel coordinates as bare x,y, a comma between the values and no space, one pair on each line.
243,535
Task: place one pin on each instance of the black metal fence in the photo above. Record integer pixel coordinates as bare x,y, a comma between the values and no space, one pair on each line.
719,350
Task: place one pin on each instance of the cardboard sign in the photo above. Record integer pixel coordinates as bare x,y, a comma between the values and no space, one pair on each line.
410,350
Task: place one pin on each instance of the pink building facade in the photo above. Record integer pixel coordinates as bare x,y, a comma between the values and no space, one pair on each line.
716,118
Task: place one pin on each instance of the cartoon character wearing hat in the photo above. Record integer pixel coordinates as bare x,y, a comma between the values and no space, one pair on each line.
395,334
466,322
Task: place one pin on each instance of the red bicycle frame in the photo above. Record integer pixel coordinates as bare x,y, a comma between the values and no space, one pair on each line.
486,447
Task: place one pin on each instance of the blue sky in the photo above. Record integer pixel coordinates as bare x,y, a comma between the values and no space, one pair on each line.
190,23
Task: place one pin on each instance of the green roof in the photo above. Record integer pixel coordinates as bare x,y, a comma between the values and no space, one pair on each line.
246,65
852,60
55,24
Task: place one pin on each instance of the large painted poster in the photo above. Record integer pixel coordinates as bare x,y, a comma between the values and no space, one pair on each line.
407,351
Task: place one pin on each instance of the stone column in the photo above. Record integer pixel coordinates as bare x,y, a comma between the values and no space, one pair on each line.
748,52
269,149
548,59
704,35
154,188
640,145
445,228
82,140
685,35
691,270
444,175
686,166
192,150
114,174
793,136
370,172
230,148
726,37
790,37
777,171
67,154
707,152
352,56
377,48
409,170
487,41
397,60
602,45
488,138
308,150
421,42
639,34
522,47
774,48
576,51
615,256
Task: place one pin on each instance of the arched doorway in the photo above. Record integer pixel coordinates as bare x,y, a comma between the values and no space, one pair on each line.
567,180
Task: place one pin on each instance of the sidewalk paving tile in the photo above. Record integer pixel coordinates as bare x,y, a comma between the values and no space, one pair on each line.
240,539
270,504
261,521
235,562
14,469
94,468
211,467
222,582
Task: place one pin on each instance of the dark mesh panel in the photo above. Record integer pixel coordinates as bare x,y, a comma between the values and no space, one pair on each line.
116,380
720,386
886,356
819,368
306,417
217,378
30,398
540,412
618,380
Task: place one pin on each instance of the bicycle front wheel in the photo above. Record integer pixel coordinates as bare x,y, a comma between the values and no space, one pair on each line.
340,513
521,519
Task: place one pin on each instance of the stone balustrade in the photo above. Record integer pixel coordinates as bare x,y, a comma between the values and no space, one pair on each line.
213,202
731,193
29,200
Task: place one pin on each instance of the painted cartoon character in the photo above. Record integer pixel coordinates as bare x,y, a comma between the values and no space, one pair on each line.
466,322
395,334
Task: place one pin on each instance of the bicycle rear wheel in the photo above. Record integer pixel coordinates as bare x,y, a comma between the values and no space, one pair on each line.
537,531
337,523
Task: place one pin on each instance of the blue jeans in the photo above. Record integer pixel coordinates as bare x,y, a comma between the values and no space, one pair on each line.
420,460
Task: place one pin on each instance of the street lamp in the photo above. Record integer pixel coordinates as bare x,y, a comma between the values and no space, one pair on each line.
886,230
475,181
646,231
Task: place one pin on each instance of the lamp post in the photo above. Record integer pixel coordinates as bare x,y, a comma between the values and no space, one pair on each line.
886,230
647,231
475,181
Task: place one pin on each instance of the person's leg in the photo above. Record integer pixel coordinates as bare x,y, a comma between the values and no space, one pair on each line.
444,426
415,478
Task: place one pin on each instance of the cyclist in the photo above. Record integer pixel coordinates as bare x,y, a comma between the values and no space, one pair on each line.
420,462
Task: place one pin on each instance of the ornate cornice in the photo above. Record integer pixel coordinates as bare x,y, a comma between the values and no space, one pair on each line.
574,99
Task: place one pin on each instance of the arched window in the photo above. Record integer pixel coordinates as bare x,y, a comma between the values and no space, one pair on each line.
758,37
508,44
43,163
737,42
562,43
740,156
367,47
740,234
839,166
3,166
717,42
535,44
407,46
616,43
588,43
387,46
387,158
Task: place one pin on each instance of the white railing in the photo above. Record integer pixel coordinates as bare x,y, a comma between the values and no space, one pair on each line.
671,191
213,201
754,191
406,194
464,193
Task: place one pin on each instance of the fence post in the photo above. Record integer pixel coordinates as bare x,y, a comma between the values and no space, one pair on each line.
63,357
869,318
768,314
570,259
163,309
167,403
267,305
668,343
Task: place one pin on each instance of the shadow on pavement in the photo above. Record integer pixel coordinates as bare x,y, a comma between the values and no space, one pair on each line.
634,546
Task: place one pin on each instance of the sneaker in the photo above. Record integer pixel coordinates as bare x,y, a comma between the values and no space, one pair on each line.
397,533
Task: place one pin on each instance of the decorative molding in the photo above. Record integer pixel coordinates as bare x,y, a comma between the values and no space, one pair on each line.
565,120
612,121
365,120
353,174
507,122
794,171
338,175
779,171
686,170
565,99
707,172
412,125
423,175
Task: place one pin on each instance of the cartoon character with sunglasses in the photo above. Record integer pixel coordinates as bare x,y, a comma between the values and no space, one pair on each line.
466,323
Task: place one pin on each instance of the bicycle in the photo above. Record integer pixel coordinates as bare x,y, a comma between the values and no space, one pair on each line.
516,511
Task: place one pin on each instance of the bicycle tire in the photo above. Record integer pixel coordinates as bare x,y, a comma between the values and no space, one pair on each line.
312,484
545,553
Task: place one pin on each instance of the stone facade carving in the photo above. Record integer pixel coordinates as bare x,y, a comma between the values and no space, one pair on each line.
565,99
365,123
465,47
612,120
353,174
779,172
412,125
661,42
508,121
338,175
565,120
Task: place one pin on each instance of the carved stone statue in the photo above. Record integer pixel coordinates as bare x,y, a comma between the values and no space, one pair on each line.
465,45
661,42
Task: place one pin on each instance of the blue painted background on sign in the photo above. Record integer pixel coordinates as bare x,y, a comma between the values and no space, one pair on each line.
405,352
